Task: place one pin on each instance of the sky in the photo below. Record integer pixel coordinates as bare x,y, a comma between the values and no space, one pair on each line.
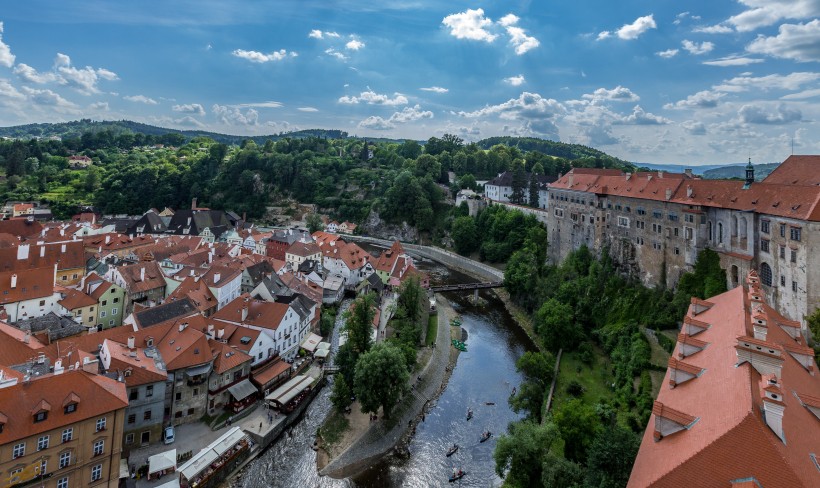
664,81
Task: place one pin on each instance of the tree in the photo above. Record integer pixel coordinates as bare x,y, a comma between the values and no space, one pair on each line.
610,457
467,181
314,223
533,191
578,425
381,378
409,149
519,181
556,326
340,398
519,455
465,235
358,323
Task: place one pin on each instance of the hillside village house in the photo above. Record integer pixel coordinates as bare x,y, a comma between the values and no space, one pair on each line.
113,244
27,294
143,282
301,251
229,386
111,300
347,260
82,307
281,239
69,257
279,321
655,224
500,189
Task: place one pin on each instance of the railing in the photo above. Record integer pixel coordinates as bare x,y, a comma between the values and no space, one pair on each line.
468,286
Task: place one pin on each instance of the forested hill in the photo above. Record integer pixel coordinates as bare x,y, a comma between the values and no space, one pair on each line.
558,149
77,128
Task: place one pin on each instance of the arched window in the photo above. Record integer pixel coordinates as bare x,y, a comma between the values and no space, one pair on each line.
766,274
720,232
710,231
735,275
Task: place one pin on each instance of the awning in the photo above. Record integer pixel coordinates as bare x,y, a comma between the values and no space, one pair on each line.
310,343
284,388
323,345
199,370
174,483
242,390
321,353
163,460
124,473
205,457
295,391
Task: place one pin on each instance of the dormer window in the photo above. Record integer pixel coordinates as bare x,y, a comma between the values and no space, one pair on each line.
40,416
70,408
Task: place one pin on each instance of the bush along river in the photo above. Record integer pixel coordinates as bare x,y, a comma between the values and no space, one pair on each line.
482,381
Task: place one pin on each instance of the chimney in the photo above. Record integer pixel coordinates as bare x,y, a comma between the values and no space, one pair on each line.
689,190
58,367
244,312
14,280
660,173
688,172
62,248
27,337
668,193
773,406
216,277
571,178
108,239
220,333
211,330
182,326
22,251
193,205
43,250
142,274
131,340
760,326
628,176
62,231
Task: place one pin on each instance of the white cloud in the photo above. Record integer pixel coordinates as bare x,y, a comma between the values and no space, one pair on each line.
714,29
641,117
257,57
684,15
603,35
518,36
515,80
800,42
411,114
84,80
267,104
695,48
189,121
6,57
48,98
8,91
376,123
635,29
101,106
701,99
762,13
307,109
372,98
508,20
617,94
234,116
317,34
435,89
792,81
756,114
815,92
354,44
470,24
733,61
694,127
336,54
140,99
190,108
535,113
31,75
669,53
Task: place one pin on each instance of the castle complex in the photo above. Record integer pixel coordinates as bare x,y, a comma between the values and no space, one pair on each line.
656,223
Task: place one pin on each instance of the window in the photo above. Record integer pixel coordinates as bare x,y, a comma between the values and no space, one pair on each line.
133,394
190,411
782,230
794,233
43,467
114,311
149,391
117,299
178,396
640,211
19,450
65,459
794,286
673,217
196,391
764,245
132,418
639,241
782,280
689,218
687,231
764,226
640,224
657,214
675,231
71,407
104,303
102,313
96,472
111,322
146,415
766,274
794,255
68,434
40,416
42,443
42,303
782,252
100,424
677,249
99,446
623,222
62,482
129,438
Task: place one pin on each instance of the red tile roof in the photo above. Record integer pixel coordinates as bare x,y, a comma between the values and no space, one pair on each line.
303,249
387,259
271,371
796,170
197,290
115,242
227,357
20,227
258,312
133,276
142,369
75,299
30,284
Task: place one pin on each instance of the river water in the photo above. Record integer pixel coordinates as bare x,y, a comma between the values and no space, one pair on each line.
484,374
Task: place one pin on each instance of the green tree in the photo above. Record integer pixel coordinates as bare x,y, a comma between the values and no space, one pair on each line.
556,326
578,425
533,191
359,323
519,183
314,223
341,395
610,457
465,235
519,454
381,378
467,181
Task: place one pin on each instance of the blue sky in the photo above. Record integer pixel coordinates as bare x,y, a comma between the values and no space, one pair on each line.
693,82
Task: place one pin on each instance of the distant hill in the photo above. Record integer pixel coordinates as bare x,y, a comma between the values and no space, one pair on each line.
78,127
553,148
739,171
679,168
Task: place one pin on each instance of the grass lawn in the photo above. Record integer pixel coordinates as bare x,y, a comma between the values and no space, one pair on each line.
432,329
333,428
595,378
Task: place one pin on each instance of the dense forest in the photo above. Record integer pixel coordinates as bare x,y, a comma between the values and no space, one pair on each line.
345,177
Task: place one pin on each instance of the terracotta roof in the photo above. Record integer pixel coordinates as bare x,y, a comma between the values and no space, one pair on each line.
141,366
132,275
683,366
219,276
324,238
68,255
271,371
796,170
259,313
75,299
731,439
303,249
240,332
227,357
197,291
20,227
185,348
115,242
101,287
388,258
98,396
8,240
31,283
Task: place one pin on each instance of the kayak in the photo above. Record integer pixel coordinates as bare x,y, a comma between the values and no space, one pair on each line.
485,437
457,476
469,414
452,450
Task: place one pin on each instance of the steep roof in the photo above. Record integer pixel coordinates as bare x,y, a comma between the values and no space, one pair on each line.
187,347
142,364
112,241
729,438
20,227
67,255
75,299
30,284
797,170
387,259
242,338
227,357
136,282
303,249
257,312
170,310
95,396
197,291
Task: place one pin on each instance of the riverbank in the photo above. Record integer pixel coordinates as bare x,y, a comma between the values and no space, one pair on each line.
383,435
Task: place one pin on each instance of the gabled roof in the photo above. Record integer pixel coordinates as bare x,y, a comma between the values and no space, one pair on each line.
227,357
67,255
136,281
20,227
170,310
75,299
387,259
187,347
796,170
143,365
197,291
243,338
303,249
268,315
30,284
115,242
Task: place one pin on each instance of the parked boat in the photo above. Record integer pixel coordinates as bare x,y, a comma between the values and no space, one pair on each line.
457,475
486,436
452,450
469,413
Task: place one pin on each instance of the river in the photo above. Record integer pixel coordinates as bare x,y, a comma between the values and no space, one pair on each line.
485,373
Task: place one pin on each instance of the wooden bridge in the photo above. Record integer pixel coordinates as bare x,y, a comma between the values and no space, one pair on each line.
330,369
468,286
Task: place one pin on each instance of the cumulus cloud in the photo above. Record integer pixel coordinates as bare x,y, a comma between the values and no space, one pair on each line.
669,53
598,135
800,42
354,44
518,36
815,92
100,106
376,123
694,127
372,98
792,81
336,54
307,109
190,108
617,94
634,30
435,89
8,92
234,116
47,98
733,61
641,117
535,114
470,24
713,29
31,75
701,99
318,34
756,114
84,80
695,48
140,99
515,80
258,57
6,57
411,114
762,13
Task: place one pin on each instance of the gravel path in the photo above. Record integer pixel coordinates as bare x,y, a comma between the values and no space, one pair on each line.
380,439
